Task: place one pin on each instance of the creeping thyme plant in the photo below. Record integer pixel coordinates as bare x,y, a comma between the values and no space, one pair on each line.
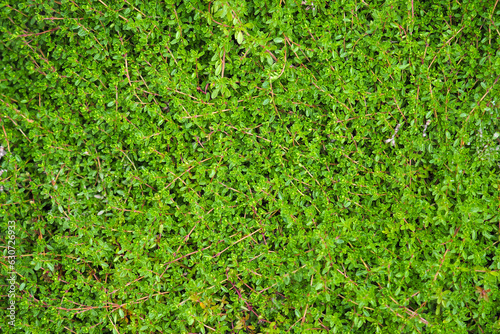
235,166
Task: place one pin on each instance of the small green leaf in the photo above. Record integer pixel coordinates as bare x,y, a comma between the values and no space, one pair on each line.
239,37
215,93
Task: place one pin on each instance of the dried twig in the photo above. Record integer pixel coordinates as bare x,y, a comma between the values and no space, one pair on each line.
425,127
392,140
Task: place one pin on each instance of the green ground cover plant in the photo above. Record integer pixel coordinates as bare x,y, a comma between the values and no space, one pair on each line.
236,166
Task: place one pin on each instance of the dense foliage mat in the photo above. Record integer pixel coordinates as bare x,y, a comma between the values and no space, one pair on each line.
251,166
